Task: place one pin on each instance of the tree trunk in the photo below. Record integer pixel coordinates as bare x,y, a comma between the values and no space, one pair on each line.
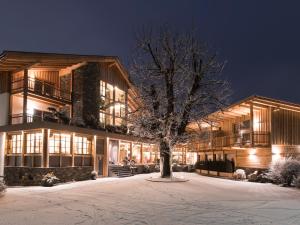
165,160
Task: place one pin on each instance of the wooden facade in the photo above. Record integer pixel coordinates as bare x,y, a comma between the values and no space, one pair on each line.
253,132
30,83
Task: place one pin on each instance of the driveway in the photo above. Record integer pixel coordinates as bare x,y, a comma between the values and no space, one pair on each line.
133,201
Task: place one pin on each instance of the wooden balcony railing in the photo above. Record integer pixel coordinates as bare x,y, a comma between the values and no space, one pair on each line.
42,88
260,139
29,118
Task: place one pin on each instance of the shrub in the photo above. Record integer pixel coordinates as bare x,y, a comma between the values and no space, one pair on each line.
2,187
49,180
284,171
146,169
94,175
253,176
290,171
239,174
260,177
297,182
275,171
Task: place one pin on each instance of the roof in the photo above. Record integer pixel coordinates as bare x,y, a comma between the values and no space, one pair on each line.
14,61
242,107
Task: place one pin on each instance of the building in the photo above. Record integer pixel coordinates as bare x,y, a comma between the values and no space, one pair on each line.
253,133
66,112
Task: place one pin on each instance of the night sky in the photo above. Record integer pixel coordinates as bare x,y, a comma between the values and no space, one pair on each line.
259,39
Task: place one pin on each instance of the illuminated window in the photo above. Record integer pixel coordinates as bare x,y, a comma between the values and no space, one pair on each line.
60,143
102,117
119,95
82,145
65,143
34,143
54,141
136,153
16,144
102,89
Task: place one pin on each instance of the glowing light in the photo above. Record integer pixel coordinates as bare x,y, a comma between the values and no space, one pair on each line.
30,108
276,150
256,123
252,154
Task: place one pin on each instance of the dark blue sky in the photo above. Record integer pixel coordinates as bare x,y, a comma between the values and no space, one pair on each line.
259,39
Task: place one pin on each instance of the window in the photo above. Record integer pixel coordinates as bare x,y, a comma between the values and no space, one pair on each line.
82,145
65,143
34,143
16,144
136,152
60,143
102,117
54,143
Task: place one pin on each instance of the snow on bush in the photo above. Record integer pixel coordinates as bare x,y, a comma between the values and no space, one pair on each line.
94,175
239,174
49,180
290,171
285,171
2,187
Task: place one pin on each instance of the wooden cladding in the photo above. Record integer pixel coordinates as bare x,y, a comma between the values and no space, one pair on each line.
4,82
112,75
285,127
49,76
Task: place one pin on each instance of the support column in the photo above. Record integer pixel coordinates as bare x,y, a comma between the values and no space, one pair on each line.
94,153
25,94
45,148
2,150
251,126
105,159
130,150
141,159
23,149
73,149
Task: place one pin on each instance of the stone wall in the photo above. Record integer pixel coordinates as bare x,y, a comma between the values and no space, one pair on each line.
32,176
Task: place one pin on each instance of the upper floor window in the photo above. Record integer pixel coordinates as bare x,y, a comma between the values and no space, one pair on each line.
113,101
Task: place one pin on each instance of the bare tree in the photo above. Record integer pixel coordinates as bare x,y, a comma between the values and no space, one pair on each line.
178,81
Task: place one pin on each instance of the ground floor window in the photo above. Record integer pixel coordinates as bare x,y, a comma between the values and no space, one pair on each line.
136,152
14,144
124,151
191,158
83,145
149,153
113,151
59,143
34,143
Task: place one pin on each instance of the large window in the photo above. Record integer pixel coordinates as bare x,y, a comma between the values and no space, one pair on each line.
136,152
60,143
34,143
15,144
113,101
83,145
65,143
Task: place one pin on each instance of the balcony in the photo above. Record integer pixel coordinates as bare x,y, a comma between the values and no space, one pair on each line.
42,88
260,139
41,116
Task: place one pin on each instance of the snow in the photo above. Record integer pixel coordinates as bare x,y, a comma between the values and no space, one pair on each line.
134,201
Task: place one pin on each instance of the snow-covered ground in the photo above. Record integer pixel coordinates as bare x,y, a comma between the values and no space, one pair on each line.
133,201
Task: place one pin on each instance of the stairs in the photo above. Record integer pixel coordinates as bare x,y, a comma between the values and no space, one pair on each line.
119,171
